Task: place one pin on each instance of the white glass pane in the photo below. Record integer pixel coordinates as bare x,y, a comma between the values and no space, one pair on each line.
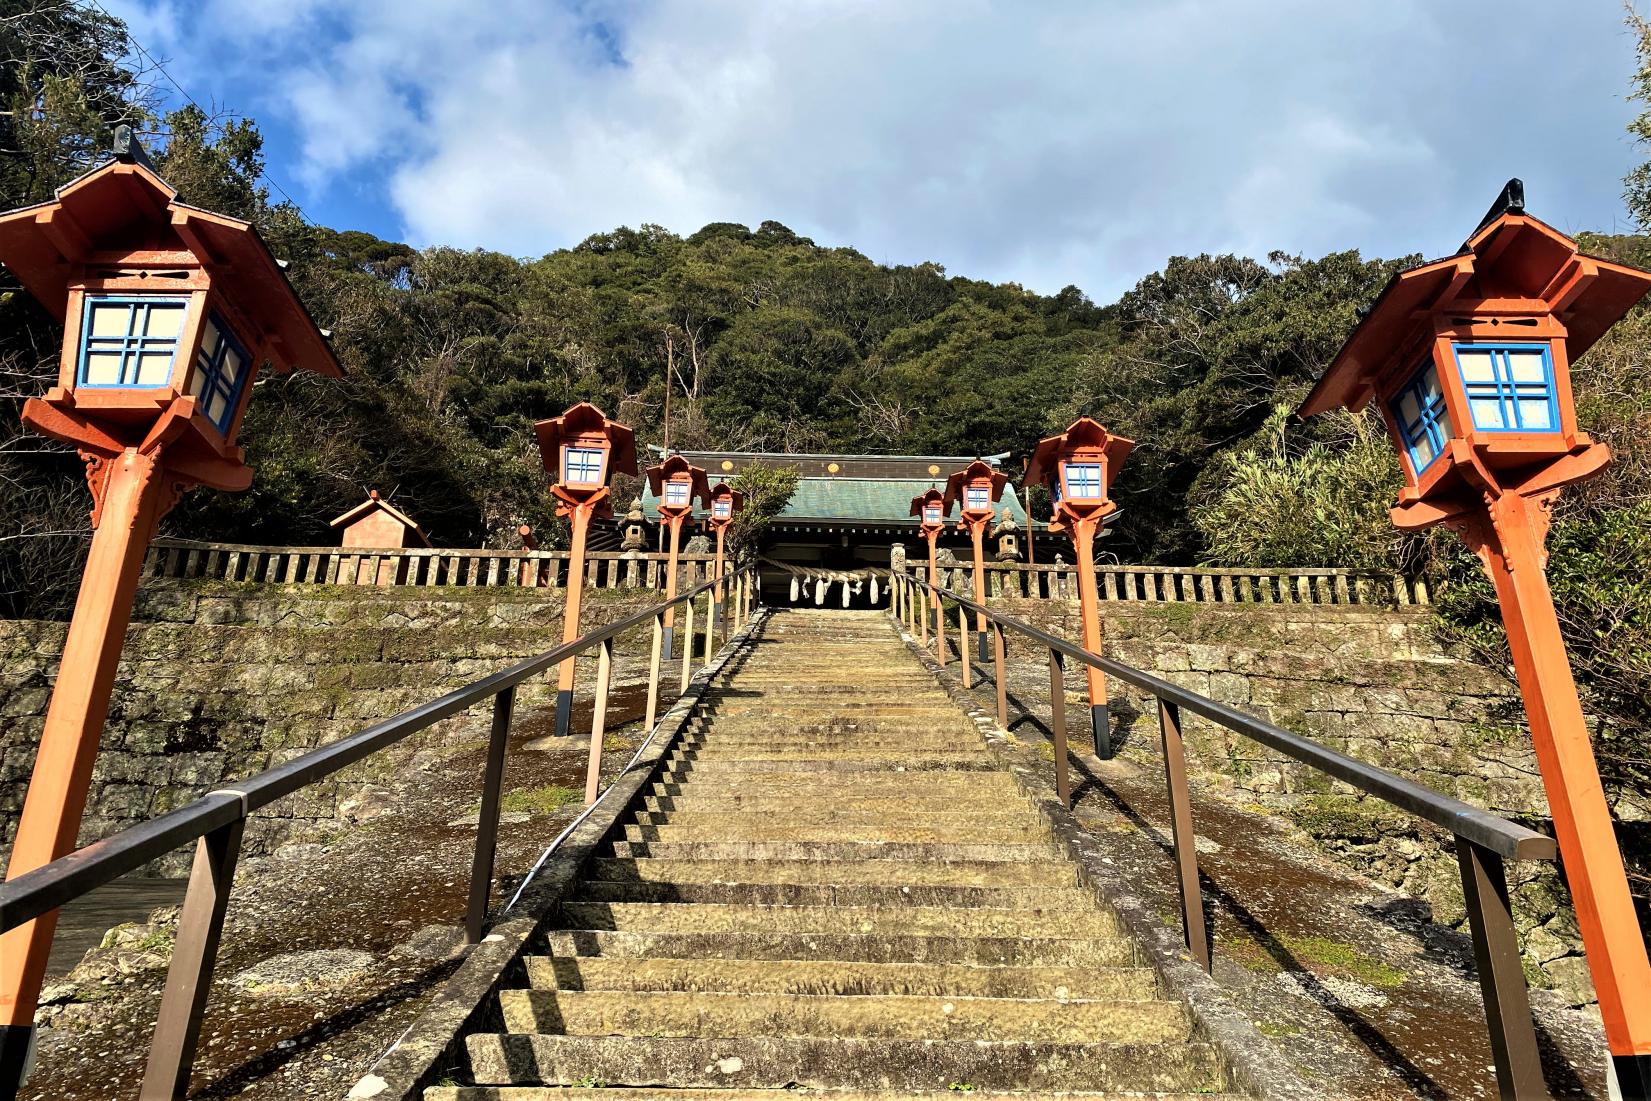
1445,429
154,369
197,378
232,364
216,405
164,320
1487,413
209,339
1424,452
103,369
1526,365
109,319
1409,411
1533,414
1476,365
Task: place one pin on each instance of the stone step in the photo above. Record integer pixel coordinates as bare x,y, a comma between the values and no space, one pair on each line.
831,894
848,813
895,755
576,1093
674,917
1005,951
1053,873
765,828
966,783
790,737
819,1062
842,978
872,1016
726,771
784,804
838,850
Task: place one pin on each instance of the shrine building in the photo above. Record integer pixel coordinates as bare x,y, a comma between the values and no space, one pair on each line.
850,510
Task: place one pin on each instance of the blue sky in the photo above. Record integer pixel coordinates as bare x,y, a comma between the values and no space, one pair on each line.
1043,143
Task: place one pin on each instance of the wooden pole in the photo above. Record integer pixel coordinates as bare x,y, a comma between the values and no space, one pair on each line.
1089,603
1508,534
134,497
570,615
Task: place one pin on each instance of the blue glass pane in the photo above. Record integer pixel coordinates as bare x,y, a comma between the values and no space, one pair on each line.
1083,481
1510,387
584,465
1424,422
129,341
221,370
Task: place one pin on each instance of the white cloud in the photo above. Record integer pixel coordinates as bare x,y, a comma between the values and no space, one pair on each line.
1050,143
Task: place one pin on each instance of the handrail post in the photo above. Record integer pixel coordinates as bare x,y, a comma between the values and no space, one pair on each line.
687,645
963,640
940,654
487,824
1183,839
653,671
599,719
1501,977
194,954
710,621
1057,728
998,672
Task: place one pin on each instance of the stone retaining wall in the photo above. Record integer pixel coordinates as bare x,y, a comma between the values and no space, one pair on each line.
219,681
1374,683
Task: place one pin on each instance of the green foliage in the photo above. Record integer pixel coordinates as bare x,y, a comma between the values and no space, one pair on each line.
1275,501
767,491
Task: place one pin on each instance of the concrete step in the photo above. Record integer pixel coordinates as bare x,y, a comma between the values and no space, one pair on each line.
834,850
848,814
1004,951
842,978
965,783
820,1062
884,1016
758,828
576,1093
727,771
1052,873
672,917
893,755
784,804
832,894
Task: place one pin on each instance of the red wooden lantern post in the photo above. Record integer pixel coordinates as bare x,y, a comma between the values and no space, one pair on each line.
1079,465
930,509
582,449
677,484
168,313
977,487
726,502
1467,358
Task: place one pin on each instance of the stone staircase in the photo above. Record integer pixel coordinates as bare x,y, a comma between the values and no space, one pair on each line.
833,888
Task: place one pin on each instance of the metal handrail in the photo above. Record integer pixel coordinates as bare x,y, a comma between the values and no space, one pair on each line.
216,820
1483,840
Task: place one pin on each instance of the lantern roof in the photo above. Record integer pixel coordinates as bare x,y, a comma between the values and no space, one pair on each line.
980,468
672,465
723,489
585,419
930,496
1083,432
1513,263
124,207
